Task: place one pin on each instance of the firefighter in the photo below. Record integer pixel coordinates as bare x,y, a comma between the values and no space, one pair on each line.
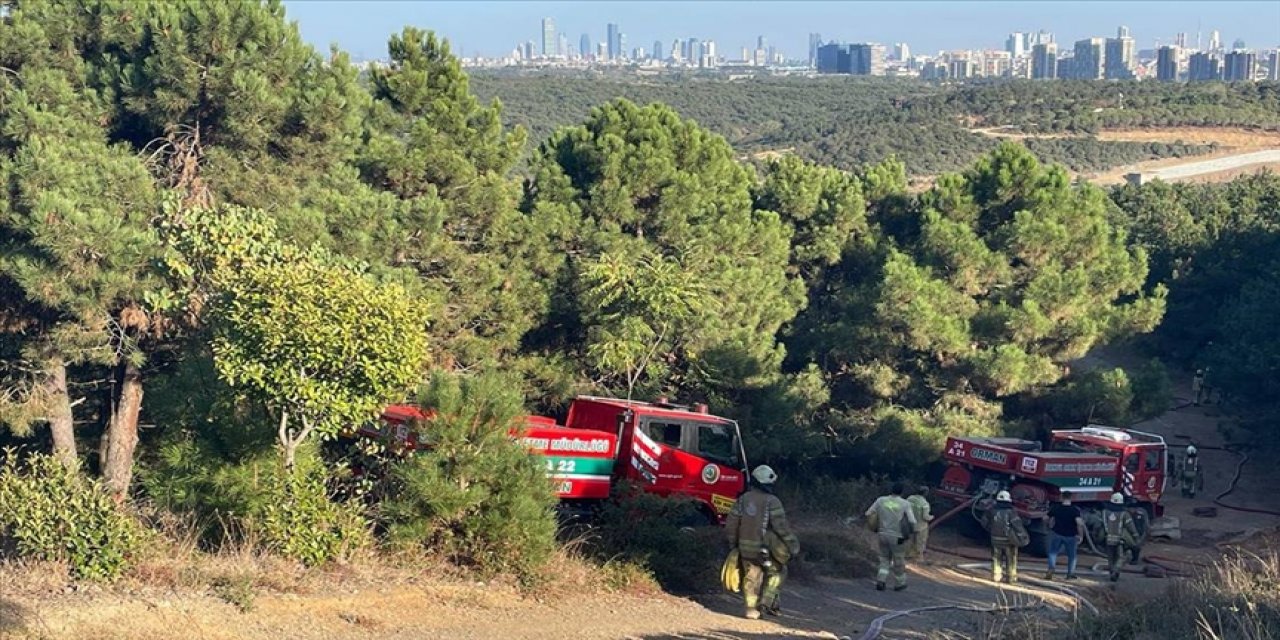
1197,386
1008,533
894,522
757,526
1121,533
922,511
1191,474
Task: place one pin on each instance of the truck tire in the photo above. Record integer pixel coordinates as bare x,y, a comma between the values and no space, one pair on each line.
1039,532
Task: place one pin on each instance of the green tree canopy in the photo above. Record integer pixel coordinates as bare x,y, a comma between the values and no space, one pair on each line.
636,180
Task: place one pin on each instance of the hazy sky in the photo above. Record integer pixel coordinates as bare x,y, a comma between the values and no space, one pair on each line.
494,28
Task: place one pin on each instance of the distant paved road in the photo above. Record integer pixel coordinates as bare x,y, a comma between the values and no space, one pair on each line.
1191,169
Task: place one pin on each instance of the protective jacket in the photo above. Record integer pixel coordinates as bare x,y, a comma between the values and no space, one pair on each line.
758,522
1007,529
888,513
1118,524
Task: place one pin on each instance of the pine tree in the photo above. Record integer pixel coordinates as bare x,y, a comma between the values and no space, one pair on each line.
639,180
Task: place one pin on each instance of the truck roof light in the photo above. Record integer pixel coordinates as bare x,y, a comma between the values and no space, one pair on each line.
1107,432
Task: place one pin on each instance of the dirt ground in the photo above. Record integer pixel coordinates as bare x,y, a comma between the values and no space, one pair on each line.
813,608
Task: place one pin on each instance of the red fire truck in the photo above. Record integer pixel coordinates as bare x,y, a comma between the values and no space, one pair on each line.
667,449
1091,463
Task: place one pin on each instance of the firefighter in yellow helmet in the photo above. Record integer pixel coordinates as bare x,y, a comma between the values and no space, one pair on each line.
1008,534
1121,532
757,527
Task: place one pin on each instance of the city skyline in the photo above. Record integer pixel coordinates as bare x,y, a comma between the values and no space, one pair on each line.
493,29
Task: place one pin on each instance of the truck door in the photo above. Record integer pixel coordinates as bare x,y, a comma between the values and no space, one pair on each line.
695,459
1149,476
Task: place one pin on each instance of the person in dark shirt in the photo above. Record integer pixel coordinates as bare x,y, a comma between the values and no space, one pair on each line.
1066,531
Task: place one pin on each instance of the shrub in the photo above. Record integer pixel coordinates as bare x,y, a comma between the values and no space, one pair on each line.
1152,390
54,513
298,519
472,494
1238,598
1094,396
650,531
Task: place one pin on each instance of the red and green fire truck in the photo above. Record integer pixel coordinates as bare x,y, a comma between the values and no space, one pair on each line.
1091,463
664,448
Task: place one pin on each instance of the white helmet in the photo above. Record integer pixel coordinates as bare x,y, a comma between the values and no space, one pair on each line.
764,474
1117,498
1191,450
1004,496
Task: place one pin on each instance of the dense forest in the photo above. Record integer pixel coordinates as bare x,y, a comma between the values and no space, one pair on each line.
851,122
222,249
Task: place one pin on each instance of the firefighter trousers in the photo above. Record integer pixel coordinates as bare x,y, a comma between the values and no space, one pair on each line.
1004,563
892,560
1115,558
762,585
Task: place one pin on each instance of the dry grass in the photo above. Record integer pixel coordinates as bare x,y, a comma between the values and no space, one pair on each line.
1238,599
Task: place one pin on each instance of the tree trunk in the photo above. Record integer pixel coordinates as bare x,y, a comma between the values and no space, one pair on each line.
61,423
122,432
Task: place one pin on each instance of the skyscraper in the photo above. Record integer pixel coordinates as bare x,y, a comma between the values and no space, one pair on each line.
1238,44
1122,31
562,46
815,41
1215,40
1239,66
709,59
657,50
1181,40
584,45
613,41
1203,66
1120,56
1016,44
1274,73
1167,62
678,50
1044,61
761,42
1089,59
901,52
695,51
548,37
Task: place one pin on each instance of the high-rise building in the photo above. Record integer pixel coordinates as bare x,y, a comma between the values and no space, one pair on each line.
549,38
1239,66
1043,37
1122,31
1274,73
761,42
1238,44
709,58
602,51
961,68
678,50
901,52
614,41
1204,66
1090,59
562,46
815,41
1215,40
1181,40
996,64
1120,57
1168,59
1016,44
746,55
637,53
657,50
622,44
1044,61
695,51
528,50
584,45
760,57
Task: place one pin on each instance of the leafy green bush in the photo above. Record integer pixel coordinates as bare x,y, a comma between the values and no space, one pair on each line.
1097,395
652,531
299,520
472,494
54,513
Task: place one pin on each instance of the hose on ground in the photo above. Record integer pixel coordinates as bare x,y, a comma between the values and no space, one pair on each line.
1244,457
877,625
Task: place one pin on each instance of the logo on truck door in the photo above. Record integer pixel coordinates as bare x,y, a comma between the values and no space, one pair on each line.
990,456
711,474
1029,465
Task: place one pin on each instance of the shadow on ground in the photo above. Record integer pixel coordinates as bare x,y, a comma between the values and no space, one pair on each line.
13,617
